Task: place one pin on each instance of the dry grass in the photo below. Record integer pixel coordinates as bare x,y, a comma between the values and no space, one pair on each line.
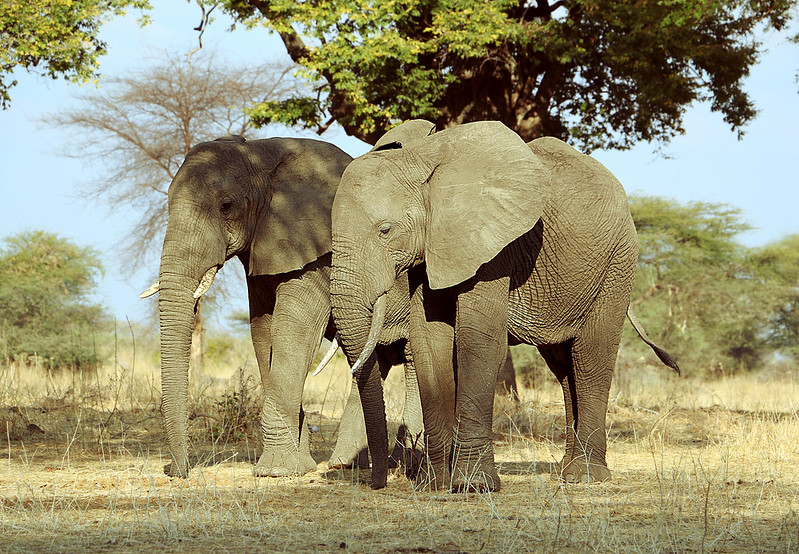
698,466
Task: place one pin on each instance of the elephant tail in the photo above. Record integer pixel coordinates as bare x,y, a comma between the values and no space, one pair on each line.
664,356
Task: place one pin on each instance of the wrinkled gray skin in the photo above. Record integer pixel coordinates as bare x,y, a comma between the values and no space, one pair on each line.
502,242
268,203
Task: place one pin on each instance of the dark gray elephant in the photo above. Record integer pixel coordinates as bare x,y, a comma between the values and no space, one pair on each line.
267,202
502,242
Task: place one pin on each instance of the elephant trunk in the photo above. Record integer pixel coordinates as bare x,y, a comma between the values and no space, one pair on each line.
370,387
187,272
354,322
176,313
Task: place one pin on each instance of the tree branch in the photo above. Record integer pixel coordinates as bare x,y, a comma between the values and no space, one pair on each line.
542,10
341,109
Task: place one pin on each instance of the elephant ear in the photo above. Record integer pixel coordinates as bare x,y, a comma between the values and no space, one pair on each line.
487,190
294,229
405,133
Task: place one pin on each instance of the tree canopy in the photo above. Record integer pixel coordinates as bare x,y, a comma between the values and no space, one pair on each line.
46,309
604,74
57,38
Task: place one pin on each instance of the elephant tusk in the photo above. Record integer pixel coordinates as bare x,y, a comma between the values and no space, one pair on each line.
378,316
206,282
328,356
151,290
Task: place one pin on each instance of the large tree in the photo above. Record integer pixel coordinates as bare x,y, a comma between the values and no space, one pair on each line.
57,38
604,73
141,126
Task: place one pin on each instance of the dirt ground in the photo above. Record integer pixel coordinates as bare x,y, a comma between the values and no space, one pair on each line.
696,467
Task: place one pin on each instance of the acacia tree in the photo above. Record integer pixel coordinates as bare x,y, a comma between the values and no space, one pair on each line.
779,262
46,310
603,73
722,306
141,126
56,38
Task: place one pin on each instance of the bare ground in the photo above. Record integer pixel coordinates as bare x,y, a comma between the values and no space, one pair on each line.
697,467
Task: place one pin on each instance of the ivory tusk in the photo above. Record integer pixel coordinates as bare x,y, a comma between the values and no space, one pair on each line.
328,356
206,282
378,316
151,290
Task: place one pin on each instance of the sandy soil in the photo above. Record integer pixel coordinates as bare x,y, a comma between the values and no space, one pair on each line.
697,467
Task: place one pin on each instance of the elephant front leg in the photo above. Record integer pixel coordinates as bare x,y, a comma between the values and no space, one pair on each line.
408,449
431,334
300,313
481,350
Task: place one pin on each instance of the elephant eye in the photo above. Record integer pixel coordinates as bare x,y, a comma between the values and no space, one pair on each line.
385,228
226,204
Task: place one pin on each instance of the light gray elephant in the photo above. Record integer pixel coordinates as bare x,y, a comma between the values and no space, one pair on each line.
502,242
267,202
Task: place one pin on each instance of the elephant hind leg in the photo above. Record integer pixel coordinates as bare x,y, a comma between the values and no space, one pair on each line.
559,359
593,372
409,447
593,360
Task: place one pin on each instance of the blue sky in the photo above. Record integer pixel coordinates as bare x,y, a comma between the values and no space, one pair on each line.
39,189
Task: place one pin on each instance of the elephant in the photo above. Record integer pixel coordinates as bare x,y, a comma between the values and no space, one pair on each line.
267,202
503,243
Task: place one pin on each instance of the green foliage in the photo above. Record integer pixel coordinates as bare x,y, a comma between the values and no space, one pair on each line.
45,305
604,73
55,37
778,262
718,305
287,112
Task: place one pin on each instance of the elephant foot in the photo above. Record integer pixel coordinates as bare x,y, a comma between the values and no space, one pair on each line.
578,470
283,463
173,469
474,469
178,468
408,452
480,476
343,458
431,476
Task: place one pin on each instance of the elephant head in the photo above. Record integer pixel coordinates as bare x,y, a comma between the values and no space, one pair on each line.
265,201
450,200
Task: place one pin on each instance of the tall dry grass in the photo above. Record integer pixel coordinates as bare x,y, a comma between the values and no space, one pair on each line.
698,466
